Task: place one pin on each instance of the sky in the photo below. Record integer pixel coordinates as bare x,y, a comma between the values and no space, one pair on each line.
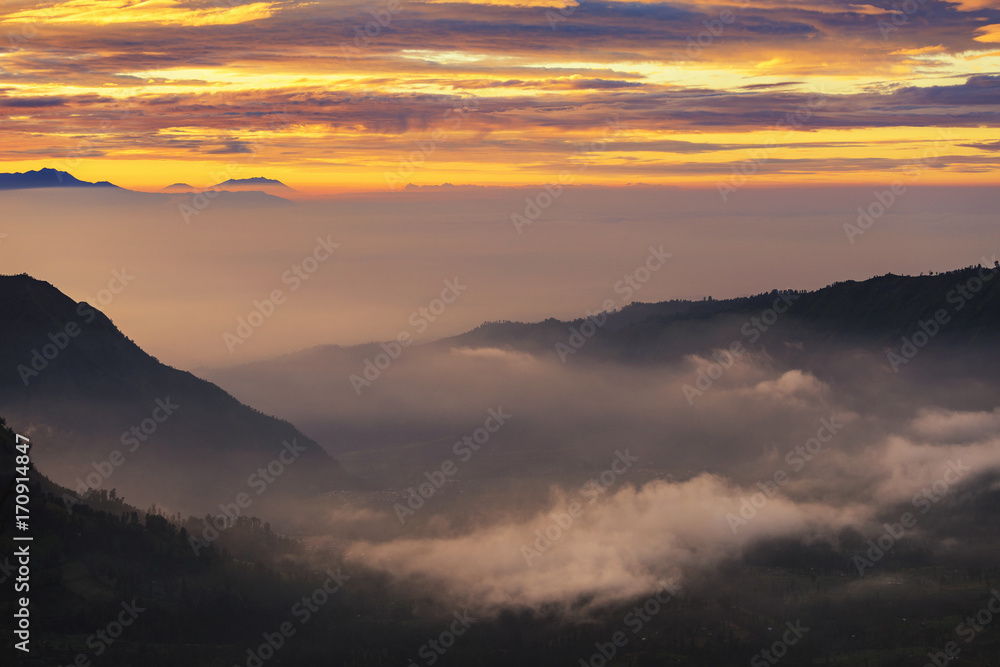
343,96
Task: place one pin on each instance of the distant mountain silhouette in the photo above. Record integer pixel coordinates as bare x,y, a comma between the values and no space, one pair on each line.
263,189
268,185
179,187
239,192
46,178
256,180
68,373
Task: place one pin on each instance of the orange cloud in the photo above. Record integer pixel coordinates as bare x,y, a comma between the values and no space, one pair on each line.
919,51
989,33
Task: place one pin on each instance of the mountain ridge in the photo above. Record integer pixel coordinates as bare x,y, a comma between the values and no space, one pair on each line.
72,376
46,178
850,310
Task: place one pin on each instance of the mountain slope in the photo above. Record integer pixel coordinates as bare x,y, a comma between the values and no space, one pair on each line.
872,313
68,374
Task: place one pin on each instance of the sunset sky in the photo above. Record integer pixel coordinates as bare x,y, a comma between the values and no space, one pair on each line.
500,92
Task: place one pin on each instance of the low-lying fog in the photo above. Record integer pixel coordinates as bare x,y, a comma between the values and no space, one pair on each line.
604,479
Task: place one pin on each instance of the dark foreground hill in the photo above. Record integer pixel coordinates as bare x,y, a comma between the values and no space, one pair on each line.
112,416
